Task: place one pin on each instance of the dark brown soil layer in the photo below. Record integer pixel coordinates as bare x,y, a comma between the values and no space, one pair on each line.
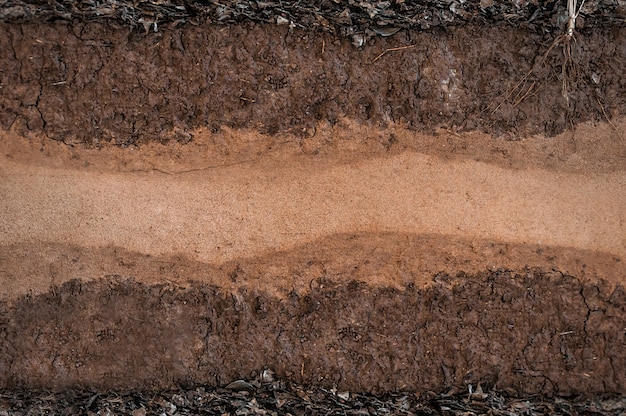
93,83
535,333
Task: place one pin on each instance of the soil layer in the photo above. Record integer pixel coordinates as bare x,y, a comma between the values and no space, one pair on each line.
532,332
360,267
161,86
268,395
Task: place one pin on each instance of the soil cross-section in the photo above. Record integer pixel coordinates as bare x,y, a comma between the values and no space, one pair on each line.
370,203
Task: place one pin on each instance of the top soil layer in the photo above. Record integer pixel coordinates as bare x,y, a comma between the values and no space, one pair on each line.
89,82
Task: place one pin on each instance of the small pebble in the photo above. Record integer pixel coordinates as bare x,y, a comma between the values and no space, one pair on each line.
239,385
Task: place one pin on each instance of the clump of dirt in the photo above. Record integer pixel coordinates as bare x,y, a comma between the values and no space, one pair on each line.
537,333
91,82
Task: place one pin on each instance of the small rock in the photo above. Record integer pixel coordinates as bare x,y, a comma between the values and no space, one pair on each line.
386,30
267,376
239,385
343,395
478,395
358,40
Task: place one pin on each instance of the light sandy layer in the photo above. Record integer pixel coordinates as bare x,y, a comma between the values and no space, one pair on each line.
260,203
238,211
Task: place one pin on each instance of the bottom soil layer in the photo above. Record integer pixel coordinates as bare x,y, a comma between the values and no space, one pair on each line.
530,331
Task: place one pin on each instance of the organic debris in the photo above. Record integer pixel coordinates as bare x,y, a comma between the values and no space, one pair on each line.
347,17
279,397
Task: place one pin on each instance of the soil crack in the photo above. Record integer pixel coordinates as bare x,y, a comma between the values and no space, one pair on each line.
202,169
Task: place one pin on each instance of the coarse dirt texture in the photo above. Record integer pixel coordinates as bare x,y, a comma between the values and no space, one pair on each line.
266,395
360,19
422,213
162,86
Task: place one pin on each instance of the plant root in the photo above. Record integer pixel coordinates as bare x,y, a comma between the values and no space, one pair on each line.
569,71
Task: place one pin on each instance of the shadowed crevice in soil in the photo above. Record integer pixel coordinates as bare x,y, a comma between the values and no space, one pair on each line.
530,332
91,82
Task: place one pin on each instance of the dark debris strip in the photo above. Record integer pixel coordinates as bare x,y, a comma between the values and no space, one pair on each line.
267,396
372,17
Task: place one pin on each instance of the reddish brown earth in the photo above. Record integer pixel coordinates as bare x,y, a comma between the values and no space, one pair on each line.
197,205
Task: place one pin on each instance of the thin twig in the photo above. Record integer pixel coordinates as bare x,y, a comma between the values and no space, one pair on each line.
565,40
522,82
512,90
399,48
